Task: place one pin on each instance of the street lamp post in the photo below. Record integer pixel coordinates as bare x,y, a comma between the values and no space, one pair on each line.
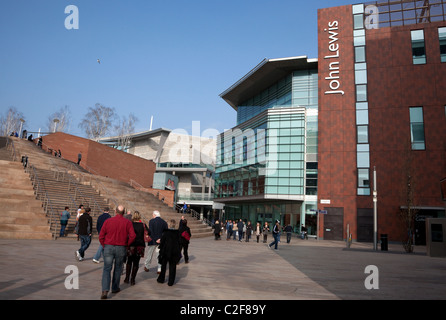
56,121
375,212
22,121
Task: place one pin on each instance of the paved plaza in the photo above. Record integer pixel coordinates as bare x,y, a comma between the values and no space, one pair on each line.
230,270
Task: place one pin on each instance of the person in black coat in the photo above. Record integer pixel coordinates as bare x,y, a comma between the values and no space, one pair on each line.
169,253
217,230
136,250
185,236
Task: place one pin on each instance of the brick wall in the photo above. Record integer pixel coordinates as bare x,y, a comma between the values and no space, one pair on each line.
394,85
103,160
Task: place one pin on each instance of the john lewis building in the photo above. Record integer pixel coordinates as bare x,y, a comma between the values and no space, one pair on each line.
267,164
311,131
382,99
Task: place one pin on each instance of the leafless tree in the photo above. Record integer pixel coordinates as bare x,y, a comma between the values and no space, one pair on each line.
63,117
124,128
98,121
10,122
408,210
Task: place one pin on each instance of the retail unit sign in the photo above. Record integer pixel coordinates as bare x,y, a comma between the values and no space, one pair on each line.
334,76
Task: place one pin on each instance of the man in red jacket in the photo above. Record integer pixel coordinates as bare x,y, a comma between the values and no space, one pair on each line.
116,235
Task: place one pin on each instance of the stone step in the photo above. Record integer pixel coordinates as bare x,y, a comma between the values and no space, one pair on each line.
25,235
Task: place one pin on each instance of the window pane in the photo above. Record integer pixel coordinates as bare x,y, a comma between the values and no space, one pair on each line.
361,93
363,178
358,21
416,114
363,134
363,159
417,128
418,48
442,37
360,54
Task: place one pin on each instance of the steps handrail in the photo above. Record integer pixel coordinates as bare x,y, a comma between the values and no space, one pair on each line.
30,169
100,185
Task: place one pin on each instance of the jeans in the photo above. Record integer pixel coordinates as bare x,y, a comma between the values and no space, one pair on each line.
288,237
63,225
276,237
113,256
85,243
99,253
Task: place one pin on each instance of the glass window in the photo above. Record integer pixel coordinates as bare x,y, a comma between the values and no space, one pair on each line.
361,93
358,21
417,128
363,159
360,76
360,54
362,117
442,37
418,47
363,178
363,134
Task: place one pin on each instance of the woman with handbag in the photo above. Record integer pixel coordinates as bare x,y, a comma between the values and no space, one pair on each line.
185,235
136,250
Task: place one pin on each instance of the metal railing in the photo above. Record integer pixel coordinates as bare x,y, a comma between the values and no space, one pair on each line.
42,195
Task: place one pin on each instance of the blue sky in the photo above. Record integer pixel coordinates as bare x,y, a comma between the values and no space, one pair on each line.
166,59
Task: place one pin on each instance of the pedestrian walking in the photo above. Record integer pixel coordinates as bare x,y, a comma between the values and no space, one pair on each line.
265,231
234,230
217,230
304,232
156,227
79,157
258,231
80,211
229,229
248,231
116,235
185,236
99,223
289,231
85,225
136,249
240,226
64,217
276,235
169,253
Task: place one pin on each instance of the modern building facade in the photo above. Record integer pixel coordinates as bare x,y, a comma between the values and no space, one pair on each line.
184,163
267,164
311,134
382,106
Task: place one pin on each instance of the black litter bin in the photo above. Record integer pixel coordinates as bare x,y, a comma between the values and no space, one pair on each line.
384,242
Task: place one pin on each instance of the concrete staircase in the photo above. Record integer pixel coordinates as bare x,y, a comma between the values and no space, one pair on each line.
118,192
67,184
21,216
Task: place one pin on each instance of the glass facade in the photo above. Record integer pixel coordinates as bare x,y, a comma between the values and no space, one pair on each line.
389,13
362,108
271,156
442,38
418,47
417,128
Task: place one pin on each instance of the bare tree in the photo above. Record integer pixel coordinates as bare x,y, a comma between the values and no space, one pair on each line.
10,122
98,121
124,129
63,117
408,211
